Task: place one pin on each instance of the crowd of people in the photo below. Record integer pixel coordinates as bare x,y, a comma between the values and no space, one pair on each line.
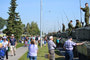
32,43
5,43
27,40
9,43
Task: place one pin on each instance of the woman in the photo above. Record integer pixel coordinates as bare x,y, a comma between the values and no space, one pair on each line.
32,50
26,43
5,44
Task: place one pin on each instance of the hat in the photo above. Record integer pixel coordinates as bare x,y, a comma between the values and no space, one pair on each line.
12,35
50,37
4,37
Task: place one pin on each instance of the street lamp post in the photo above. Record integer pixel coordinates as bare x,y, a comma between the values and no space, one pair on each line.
41,21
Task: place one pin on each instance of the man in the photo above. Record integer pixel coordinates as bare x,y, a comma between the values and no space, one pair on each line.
63,29
86,10
36,39
28,40
70,27
68,46
78,24
51,47
39,40
13,45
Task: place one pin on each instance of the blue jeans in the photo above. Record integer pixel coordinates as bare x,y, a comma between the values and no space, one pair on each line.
33,57
69,55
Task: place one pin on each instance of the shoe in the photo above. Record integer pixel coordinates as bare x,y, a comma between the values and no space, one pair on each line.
14,54
11,55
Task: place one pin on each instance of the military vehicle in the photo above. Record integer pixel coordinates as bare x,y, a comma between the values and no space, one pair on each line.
79,35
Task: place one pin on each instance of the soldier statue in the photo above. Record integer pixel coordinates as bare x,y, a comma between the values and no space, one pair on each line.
86,10
63,28
78,24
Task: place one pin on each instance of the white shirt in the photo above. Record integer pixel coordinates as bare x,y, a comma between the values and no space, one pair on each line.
5,44
38,38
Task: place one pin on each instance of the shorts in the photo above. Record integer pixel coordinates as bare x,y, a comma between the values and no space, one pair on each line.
12,48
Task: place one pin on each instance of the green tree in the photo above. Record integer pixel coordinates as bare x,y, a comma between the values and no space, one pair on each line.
14,25
2,23
28,29
34,30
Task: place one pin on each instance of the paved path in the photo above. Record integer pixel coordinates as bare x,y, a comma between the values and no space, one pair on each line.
19,52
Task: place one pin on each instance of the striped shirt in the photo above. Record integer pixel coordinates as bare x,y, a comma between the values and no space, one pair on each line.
51,45
69,45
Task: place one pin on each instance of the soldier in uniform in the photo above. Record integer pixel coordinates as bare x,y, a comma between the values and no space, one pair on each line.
86,10
78,24
63,28
70,27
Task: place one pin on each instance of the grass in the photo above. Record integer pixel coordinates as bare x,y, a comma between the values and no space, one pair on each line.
19,45
41,54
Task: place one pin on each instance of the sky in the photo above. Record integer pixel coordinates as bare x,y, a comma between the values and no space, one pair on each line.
54,12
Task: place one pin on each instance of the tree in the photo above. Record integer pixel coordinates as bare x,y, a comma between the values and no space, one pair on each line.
34,30
2,23
28,28
14,25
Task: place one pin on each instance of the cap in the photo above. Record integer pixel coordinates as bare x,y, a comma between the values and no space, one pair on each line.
12,35
50,37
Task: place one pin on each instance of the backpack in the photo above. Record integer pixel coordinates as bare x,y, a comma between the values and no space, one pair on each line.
36,39
57,41
2,52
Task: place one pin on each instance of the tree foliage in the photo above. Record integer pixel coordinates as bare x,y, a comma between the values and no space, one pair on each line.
28,28
2,23
32,28
14,25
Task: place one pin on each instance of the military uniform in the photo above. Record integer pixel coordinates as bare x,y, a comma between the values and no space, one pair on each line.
63,29
70,27
86,10
78,25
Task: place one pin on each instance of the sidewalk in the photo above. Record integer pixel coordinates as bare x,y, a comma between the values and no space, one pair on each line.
19,52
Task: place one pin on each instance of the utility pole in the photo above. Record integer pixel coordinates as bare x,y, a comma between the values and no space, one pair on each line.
41,21
81,14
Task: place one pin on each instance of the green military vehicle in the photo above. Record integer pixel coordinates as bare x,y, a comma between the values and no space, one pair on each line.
79,35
